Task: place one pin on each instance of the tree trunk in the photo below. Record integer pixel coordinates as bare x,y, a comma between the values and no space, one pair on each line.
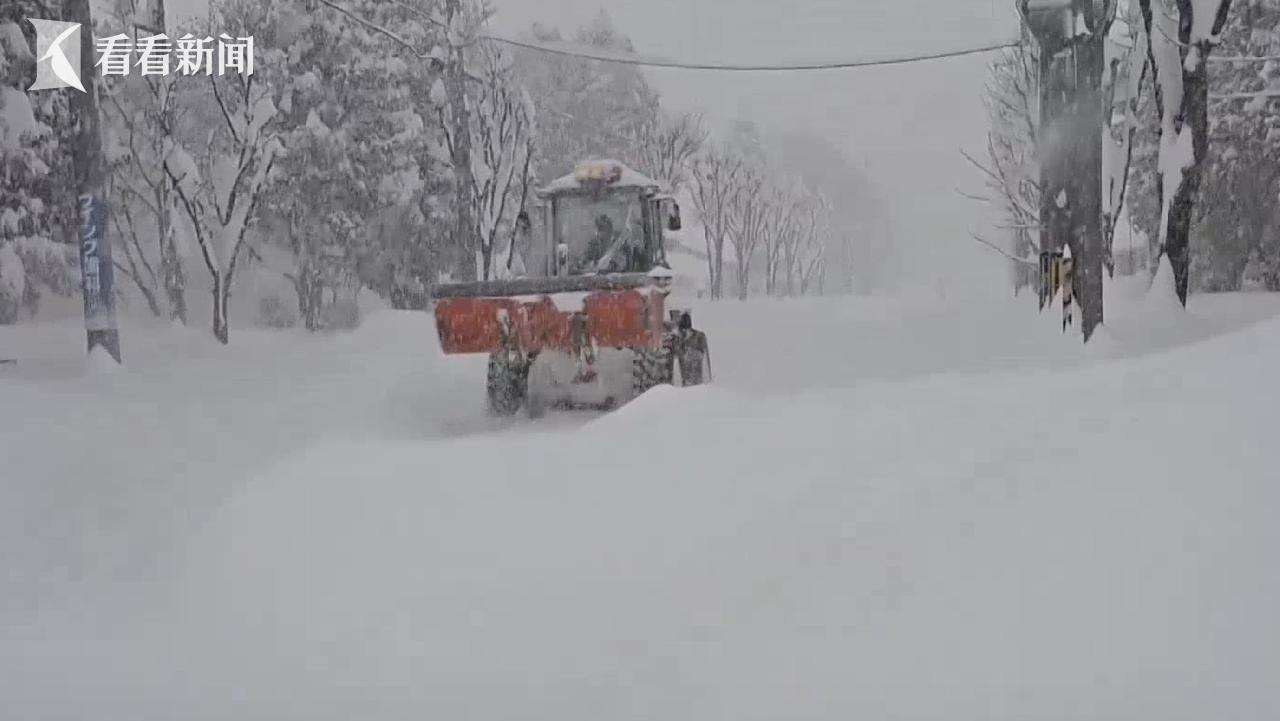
310,296
175,284
1194,111
460,261
172,275
486,261
153,303
1177,243
790,260
221,285
717,281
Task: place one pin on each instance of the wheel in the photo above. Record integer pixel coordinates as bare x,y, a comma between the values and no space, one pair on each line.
693,357
507,384
650,368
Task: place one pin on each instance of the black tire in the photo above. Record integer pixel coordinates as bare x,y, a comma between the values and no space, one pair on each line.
506,386
650,368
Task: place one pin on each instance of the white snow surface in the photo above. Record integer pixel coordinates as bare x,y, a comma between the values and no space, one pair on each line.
18,119
13,274
881,509
630,178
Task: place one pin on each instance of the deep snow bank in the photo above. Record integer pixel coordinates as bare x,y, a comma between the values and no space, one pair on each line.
101,468
1090,542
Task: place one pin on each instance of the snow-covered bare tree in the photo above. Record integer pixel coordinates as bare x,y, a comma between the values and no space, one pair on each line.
805,251
220,172
502,134
462,20
1180,40
811,255
778,202
1123,78
716,180
1010,169
748,213
1239,219
667,146
855,250
140,119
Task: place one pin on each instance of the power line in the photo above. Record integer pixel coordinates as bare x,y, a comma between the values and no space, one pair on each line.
622,59
732,67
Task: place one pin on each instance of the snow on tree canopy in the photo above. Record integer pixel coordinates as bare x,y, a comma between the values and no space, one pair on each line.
13,275
612,172
18,119
438,95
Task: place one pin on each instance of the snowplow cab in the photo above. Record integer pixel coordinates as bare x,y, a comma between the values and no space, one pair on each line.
602,218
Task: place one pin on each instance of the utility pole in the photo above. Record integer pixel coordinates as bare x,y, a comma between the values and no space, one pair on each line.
1071,35
96,270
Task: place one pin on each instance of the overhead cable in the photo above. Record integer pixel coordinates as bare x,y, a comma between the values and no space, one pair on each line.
622,59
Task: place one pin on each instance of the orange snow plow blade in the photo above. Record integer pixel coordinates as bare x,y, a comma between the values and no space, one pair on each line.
487,323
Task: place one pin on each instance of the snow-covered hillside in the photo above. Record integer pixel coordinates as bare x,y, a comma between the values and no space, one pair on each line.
881,509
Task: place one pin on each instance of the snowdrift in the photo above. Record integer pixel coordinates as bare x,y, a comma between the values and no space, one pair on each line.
897,522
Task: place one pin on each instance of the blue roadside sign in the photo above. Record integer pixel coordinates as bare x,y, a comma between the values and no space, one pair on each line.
98,276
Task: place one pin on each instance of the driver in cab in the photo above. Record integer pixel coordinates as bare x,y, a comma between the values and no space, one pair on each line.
602,255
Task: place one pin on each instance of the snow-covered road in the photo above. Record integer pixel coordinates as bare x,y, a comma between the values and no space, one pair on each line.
881,510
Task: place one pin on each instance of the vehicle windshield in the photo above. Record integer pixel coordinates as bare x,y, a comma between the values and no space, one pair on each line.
603,234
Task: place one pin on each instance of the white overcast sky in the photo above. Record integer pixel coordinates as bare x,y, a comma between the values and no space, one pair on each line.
907,123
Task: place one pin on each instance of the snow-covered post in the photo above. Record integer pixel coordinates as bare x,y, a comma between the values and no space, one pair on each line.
1179,49
90,176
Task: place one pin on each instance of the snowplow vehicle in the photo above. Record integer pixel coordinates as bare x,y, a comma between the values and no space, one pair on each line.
586,321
